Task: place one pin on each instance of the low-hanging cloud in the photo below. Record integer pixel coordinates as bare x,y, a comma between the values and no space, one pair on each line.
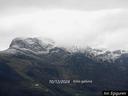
99,29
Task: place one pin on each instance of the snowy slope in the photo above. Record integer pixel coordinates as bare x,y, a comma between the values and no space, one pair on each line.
32,44
44,46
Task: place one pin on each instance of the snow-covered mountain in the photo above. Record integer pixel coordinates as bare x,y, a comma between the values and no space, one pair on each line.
31,61
34,45
104,54
41,46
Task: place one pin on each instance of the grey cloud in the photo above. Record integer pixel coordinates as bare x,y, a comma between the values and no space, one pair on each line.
102,28
66,4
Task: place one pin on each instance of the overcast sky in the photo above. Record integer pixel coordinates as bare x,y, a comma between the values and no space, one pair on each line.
95,23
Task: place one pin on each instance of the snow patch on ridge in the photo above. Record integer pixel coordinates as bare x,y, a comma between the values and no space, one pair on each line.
33,44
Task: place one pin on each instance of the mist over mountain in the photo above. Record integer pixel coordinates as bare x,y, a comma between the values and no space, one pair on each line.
29,63
104,28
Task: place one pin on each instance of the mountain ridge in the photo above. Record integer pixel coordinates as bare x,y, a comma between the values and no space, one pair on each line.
26,72
38,46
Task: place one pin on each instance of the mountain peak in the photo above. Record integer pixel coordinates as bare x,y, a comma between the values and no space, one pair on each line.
33,44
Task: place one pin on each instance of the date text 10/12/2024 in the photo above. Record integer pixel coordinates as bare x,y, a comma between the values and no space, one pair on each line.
70,81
